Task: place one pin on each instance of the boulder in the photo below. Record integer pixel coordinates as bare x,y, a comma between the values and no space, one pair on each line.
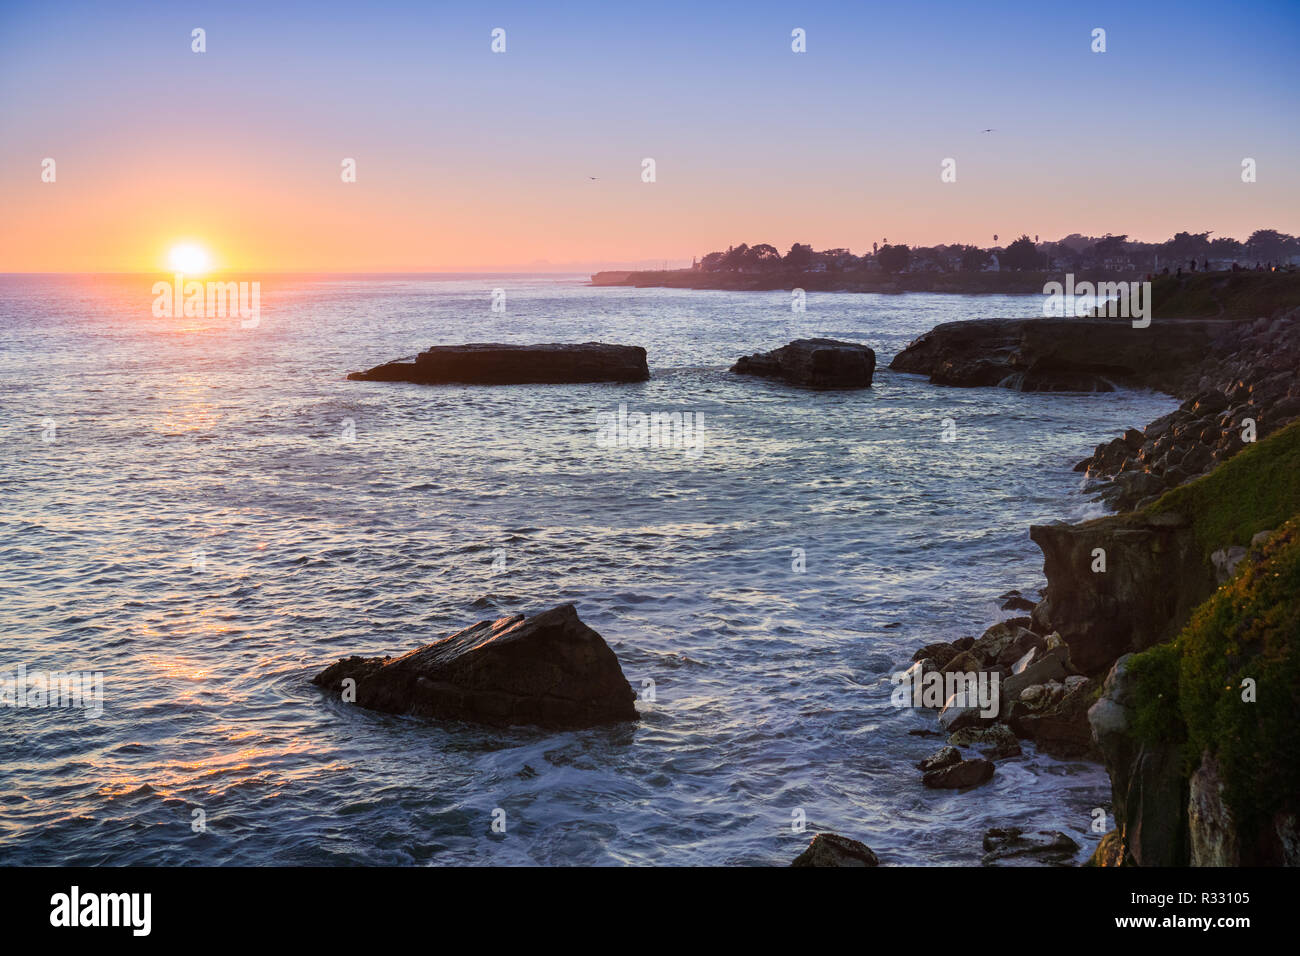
1049,846
966,773
831,849
493,364
995,741
941,653
943,757
1061,727
818,363
549,670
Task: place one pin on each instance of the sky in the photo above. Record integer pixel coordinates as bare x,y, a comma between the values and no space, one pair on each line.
471,160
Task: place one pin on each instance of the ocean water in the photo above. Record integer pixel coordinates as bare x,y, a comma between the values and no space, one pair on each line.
209,514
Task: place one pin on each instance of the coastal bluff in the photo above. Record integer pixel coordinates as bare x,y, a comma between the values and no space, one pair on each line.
496,364
549,670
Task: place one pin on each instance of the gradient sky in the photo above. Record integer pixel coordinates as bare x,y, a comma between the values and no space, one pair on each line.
469,160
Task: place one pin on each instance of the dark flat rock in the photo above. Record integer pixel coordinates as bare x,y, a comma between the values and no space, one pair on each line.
817,363
550,670
492,364
1065,355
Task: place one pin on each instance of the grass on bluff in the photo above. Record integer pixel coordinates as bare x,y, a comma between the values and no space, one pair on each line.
1255,490
1231,295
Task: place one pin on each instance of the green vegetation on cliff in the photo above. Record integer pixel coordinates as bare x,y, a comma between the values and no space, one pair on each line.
1226,295
1255,490
1249,630
1189,690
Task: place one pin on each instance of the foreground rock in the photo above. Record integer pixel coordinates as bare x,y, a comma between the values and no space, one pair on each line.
489,364
831,849
817,363
550,670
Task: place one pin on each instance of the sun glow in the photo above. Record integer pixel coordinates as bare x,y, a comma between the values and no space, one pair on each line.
189,258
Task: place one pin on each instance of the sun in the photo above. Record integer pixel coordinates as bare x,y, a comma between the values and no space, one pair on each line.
189,258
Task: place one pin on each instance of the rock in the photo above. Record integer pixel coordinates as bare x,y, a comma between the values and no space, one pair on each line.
1050,846
995,741
1259,539
1211,830
1149,795
549,670
1050,354
1039,672
1015,601
967,773
1109,852
1154,577
941,653
943,757
831,849
818,363
1061,728
1003,642
493,364
1225,562
957,714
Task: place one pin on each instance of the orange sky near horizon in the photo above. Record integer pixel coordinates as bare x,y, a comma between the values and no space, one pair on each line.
469,161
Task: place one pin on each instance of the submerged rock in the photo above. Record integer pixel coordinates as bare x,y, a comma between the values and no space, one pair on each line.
819,363
550,670
1050,846
831,849
493,364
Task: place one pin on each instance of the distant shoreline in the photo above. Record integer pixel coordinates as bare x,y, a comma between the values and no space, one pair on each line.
957,283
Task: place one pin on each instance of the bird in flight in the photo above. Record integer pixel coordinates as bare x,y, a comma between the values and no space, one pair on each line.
989,131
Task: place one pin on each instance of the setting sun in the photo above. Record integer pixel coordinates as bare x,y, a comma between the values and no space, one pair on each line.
189,258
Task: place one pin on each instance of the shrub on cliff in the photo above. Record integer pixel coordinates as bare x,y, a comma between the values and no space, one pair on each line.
1189,691
1249,630
1255,490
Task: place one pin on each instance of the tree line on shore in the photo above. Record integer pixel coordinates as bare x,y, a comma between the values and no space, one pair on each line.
1264,247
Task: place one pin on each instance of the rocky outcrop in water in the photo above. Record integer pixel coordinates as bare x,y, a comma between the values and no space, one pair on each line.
549,670
831,849
490,364
1060,355
816,363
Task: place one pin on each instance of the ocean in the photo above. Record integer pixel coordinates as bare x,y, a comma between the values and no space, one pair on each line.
209,514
